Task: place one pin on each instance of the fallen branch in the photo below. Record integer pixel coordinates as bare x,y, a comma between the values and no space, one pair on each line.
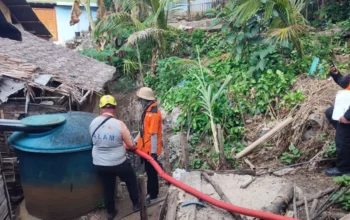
334,191
331,203
317,196
221,194
280,203
244,186
306,209
237,172
293,165
264,138
250,164
313,207
295,203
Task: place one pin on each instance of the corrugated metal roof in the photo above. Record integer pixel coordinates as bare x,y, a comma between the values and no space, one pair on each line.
22,13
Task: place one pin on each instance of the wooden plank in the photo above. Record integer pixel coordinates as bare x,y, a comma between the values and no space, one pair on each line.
192,179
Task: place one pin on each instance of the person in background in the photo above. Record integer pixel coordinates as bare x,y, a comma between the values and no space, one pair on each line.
111,138
342,136
149,139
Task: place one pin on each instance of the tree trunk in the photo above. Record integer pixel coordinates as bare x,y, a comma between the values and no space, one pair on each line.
140,64
88,12
215,135
189,10
223,162
101,9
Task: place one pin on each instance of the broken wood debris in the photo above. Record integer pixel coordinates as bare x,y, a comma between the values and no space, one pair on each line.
313,207
237,172
244,186
264,138
325,207
317,196
280,203
295,209
250,164
221,194
306,209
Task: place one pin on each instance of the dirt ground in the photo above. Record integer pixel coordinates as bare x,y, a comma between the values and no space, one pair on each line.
125,212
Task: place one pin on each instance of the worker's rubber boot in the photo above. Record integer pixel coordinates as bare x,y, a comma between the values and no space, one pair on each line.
335,172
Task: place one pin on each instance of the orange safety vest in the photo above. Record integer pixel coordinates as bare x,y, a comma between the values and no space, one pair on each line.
348,88
152,124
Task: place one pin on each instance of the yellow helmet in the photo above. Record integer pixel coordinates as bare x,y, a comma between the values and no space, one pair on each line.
107,99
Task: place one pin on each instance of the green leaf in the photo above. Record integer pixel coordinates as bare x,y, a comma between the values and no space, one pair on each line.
230,38
262,65
291,148
224,27
255,30
215,22
240,37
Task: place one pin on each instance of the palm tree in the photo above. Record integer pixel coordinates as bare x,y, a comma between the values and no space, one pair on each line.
149,29
286,23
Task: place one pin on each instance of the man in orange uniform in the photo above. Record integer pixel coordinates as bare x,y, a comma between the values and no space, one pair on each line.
149,139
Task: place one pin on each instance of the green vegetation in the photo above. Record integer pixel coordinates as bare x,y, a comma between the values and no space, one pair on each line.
344,200
246,69
330,152
292,154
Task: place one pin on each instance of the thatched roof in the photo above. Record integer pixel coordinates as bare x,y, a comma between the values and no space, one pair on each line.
33,56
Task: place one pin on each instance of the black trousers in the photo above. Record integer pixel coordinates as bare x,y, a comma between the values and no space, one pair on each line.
342,142
108,176
152,180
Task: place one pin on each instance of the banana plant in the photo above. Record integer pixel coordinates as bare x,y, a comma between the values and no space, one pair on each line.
208,98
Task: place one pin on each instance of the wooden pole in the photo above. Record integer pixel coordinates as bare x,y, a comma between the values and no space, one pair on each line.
221,194
221,148
185,152
142,191
189,10
264,138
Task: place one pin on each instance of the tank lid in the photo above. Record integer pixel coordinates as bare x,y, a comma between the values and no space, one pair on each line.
43,120
70,134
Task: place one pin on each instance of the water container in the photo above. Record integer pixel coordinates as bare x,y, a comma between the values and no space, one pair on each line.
57,175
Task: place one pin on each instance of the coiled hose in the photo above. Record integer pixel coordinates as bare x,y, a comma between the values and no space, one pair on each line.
202,196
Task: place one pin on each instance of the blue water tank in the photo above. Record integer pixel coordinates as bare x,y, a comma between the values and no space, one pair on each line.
57,175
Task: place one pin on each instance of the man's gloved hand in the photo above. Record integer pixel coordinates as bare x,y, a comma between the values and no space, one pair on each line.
154,156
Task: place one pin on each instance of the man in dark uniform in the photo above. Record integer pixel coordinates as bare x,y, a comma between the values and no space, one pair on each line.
342,137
